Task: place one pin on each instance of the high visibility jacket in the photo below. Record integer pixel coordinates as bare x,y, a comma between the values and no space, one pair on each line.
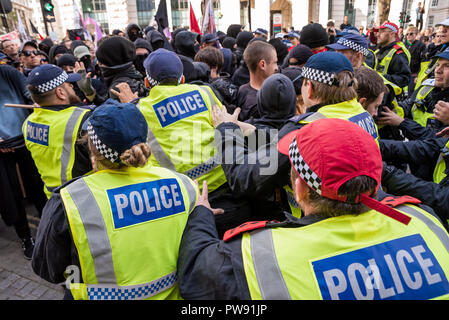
127,227
181,134
50,136
442,167
367,256
383,65
349,110
419,111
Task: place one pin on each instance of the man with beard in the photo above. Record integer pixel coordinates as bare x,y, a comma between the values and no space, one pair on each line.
115,57
393,61
52,131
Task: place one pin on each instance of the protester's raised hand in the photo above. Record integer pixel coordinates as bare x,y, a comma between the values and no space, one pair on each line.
124,93
220,116
203,199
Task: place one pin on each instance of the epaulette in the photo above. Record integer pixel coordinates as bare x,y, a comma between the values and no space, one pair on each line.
244,227
399,51
394,201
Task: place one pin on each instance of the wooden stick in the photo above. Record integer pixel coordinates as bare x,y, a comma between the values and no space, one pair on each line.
22,106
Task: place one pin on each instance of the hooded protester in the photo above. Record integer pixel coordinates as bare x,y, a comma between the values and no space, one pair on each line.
276,102
242,42
116,55
45,45
185,44
281,49
229,43
133,32
155,39
315,37
173,36
143,50
55,52
234,30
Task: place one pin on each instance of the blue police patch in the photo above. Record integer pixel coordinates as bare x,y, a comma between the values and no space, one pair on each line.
137,203
404,268
365,121
38,133
179,107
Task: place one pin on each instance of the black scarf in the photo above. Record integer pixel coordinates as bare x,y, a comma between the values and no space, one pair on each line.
125,70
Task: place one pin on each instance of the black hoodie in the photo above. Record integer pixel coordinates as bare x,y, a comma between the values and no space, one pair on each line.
185,44
276,102
131,35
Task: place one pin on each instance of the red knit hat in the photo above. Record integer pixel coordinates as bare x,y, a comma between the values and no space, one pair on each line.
329,152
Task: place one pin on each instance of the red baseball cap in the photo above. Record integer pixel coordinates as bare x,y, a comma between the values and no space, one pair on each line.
391,26
328,152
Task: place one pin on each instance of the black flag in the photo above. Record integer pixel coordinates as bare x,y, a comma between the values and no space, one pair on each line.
35,31
161,17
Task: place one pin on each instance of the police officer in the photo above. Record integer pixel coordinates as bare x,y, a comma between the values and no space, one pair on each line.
428,66
419,121
328,91
347,246
393,58
119,228
181,135
51,131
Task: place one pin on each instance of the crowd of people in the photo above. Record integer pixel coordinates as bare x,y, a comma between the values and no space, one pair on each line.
312,164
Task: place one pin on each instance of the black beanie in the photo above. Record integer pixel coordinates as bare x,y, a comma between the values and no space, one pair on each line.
142,43
116,51
314,35
243,39
66,59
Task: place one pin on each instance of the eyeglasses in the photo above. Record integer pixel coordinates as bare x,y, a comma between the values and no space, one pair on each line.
410,34
28,53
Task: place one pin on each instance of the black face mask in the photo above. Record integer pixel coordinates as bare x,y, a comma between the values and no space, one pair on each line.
138,63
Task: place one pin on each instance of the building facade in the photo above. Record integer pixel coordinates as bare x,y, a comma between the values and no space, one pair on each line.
252,14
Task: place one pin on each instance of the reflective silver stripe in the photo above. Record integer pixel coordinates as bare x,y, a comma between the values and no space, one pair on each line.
315,116
209,94
141,291
190,190
95,228
291,200
269,277
67,142
158,152
203,168
439,231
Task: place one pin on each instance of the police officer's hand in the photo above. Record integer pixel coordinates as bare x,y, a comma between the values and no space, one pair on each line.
388,117
124,93
220,116
203,199
441,112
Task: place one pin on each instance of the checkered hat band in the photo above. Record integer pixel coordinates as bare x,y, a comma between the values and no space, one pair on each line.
319,75
152,82
389,26
304,171
53,83
354,46
106,151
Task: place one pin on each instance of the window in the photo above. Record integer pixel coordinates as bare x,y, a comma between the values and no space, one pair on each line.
96,9
180,13
434,3
430,21
371,16
244,13
146,9
349,11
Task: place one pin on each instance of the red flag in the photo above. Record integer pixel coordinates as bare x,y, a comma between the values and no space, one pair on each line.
194,27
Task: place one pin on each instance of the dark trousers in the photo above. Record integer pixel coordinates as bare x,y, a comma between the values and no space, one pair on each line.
12,208
419,24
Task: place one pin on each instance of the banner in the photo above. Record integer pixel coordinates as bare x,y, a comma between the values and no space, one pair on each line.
14,36
209,19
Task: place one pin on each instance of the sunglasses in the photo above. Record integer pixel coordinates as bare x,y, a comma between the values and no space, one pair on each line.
28,53
410,34
44,60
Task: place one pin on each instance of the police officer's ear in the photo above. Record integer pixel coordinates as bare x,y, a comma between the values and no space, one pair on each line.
362,101
60,93
309,88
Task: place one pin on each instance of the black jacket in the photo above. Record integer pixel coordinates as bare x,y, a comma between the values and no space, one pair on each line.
418,51
124,73
399,71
